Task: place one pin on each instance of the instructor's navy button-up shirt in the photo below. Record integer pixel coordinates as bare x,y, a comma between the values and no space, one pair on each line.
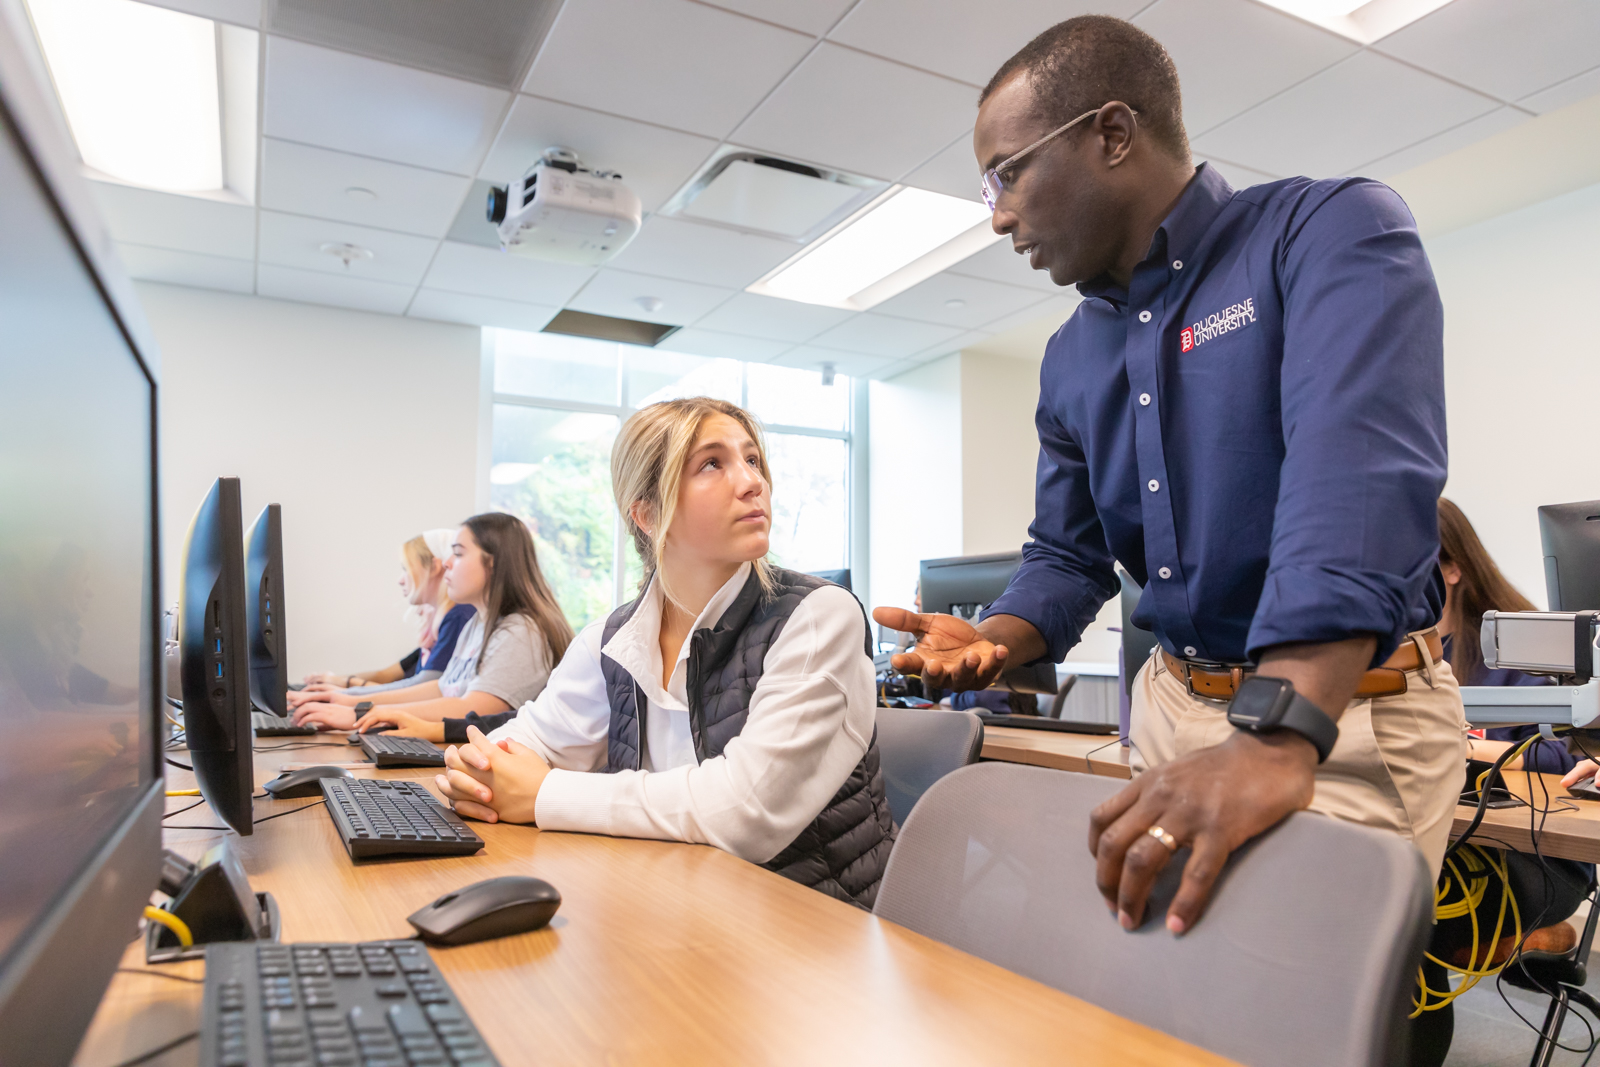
1254,428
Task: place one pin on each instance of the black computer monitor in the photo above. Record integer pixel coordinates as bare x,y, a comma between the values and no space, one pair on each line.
836,577
81,790
215,658
1570,534
263,607
964,586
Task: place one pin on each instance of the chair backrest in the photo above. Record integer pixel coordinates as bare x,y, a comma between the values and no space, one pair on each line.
1306,955
918,746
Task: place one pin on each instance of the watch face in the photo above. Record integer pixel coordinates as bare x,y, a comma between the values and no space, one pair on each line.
1256,702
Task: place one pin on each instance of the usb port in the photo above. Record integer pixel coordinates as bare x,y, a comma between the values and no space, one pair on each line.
219,671
219,646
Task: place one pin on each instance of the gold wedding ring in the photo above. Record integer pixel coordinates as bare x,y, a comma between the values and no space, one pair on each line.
1165,838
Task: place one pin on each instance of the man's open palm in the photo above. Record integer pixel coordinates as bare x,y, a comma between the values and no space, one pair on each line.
949,654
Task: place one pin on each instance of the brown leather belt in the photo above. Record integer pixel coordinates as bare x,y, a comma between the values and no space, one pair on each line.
1220,682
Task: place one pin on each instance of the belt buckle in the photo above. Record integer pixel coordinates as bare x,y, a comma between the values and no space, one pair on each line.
1235,674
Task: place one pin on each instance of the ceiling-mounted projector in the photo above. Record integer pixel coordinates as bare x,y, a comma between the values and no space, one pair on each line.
561,210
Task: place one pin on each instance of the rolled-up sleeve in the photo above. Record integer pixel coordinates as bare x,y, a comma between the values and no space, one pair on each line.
1355,530
1067,572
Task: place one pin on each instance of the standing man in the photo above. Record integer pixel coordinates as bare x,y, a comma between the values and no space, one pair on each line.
1246,412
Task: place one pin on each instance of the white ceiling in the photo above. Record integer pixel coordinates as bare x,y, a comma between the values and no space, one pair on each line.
884,88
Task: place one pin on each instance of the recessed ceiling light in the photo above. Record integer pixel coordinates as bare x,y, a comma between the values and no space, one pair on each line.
955,302
901,238
355,192
139,88
1360,20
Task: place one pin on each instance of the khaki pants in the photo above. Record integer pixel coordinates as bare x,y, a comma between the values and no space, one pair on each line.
1399,764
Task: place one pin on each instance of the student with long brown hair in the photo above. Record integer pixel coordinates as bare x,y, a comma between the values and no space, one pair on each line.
730,704
504,655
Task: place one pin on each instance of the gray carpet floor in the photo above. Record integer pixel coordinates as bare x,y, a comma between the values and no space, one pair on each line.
1489,1034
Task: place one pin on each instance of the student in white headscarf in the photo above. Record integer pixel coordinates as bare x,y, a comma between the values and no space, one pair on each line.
438,619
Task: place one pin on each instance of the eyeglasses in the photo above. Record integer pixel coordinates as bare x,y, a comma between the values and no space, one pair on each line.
993,186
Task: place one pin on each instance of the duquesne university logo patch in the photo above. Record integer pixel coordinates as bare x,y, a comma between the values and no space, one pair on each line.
1215,325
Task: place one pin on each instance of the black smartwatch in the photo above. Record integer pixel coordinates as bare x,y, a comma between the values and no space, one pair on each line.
363,707
1264,705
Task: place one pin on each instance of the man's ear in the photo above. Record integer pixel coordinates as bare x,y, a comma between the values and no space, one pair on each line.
1116,128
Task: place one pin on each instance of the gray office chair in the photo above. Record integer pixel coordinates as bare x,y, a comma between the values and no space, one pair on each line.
919,746
1307,954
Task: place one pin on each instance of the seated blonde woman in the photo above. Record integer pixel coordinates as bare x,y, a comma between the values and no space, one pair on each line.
731,704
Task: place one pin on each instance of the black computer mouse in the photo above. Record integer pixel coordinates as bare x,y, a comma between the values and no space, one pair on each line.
496,907
381,728
303,783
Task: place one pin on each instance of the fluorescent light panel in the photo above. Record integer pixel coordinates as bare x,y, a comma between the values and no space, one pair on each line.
900,239
139,87
1360,20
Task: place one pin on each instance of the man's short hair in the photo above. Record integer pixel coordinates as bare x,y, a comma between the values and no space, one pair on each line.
1085,62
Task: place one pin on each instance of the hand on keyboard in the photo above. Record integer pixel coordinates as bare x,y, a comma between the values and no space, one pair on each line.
494,783
325,716
405,724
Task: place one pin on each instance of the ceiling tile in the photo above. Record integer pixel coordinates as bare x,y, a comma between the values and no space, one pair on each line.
471,225
1559,96
807,16
959,300
316,181
847,363
1237,176
672,62
1055,309
477,271
953,344
238,12
619,293
1326,126
1470,132
184,223
653,162
675,248
479,310
714,345
188,268
1508,50
370,108
880,335
315,287
1233,54
958,38
998,263
953,172
293,241
754,315
858,113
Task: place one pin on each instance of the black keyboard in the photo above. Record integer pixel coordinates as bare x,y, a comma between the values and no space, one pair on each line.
388,751
373,1004
266,724
1060,726
382,818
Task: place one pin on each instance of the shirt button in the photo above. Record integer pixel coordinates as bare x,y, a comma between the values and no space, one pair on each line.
1144,399
1154,485
1144,316
1165,572
1189,650
1177,264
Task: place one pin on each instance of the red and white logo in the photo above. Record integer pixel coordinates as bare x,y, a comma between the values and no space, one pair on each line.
1234,317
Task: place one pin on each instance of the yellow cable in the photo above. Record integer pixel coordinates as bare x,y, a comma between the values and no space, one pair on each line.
183,792
171,922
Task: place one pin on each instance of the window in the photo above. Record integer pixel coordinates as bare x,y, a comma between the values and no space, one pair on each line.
558,404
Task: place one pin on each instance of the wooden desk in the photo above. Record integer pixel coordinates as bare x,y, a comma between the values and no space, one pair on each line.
1099,754
1568,835
662,953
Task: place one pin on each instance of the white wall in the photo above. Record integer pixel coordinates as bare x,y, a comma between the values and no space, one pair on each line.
915,477
1000,451
1522,371
318,409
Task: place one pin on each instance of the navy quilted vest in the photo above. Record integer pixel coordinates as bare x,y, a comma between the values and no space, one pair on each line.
844,850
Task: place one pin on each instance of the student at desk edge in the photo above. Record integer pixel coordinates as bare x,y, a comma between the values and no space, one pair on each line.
440,621
503,656
1246,411
730,704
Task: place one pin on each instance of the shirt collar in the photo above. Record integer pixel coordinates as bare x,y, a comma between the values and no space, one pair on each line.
1180,233
636,646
